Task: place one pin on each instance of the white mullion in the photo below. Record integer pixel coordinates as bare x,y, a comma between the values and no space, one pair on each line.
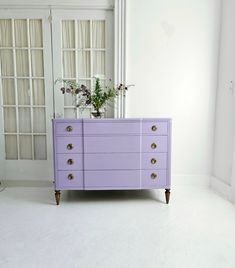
91,54
20,48
76,59
26,133
30,88
16,88
22,77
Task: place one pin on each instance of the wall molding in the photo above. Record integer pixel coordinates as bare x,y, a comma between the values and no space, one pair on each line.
190,180
120,53
221,188
177,180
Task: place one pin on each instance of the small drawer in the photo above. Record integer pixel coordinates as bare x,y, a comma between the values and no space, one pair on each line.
153,179
69,145
112,161
100,127
109,144
68,129
115,179
69,161
155,127
154,161
69,179
154,144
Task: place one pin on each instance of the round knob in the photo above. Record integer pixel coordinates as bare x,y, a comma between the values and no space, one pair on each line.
154,128
70,161
69,128
153,161
153,145
70,146
153,176
70,177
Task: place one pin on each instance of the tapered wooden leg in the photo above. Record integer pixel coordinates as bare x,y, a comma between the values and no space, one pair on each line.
167,194
57,197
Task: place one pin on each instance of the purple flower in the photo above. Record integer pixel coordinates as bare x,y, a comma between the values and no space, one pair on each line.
63,90
68,90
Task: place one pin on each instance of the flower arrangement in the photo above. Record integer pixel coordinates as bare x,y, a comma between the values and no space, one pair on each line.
98,98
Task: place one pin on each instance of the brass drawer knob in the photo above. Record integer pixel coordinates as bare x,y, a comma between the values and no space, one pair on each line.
70,177
69,128
153,161
153,176
153,145
70,161
154,128
70,146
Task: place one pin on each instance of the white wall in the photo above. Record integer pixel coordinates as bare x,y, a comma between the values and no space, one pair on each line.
172,52
223,165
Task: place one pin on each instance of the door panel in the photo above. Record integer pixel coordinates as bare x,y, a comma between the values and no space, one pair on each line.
26,94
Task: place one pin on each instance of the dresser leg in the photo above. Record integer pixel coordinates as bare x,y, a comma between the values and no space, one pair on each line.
167,195
57,197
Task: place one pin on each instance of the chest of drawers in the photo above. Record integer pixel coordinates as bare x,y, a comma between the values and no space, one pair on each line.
99,154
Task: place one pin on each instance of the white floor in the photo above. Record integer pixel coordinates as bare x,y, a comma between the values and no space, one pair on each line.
116,229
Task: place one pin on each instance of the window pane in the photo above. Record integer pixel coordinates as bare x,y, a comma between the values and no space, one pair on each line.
39,120
10,120
24,120
87,83
37,63
98,63
69,64
35,31
84,64
40,149
68,34
70,113
25,147
8,91
69,100
38,92
5,33
83,34
21,39
11,147
98,34
22,63
23,92
6,59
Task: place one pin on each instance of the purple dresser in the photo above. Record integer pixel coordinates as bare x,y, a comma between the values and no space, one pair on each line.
105,154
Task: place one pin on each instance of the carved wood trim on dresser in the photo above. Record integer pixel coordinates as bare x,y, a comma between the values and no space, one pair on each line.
98,154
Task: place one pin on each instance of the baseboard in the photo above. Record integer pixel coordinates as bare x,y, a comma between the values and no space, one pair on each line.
194,180
177,180
221,188
26,183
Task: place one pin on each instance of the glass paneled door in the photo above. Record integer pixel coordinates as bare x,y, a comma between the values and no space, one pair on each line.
82,50
26,93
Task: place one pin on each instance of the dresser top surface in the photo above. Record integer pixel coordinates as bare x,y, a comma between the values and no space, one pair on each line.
113,120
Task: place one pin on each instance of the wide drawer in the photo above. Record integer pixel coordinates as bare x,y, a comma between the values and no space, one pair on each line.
108,144
106,128
154,144
69,179
69,145
69,161
114,161
115,179
155,127
153,178
153,160
68,128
